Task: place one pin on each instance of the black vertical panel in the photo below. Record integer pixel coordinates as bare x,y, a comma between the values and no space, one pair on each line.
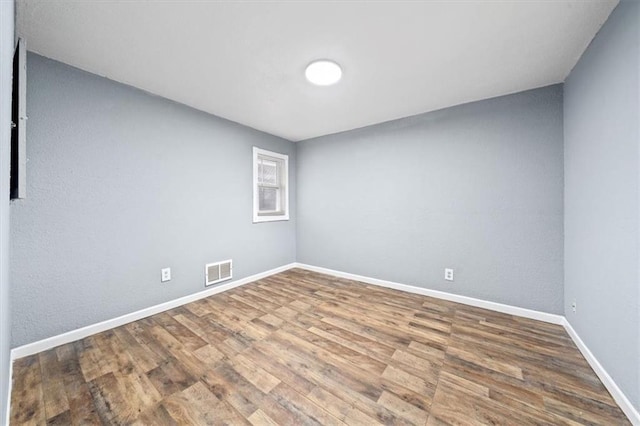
15,100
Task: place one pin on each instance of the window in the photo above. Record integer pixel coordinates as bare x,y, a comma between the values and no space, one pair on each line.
270,186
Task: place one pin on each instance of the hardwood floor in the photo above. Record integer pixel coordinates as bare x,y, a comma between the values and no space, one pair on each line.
301,348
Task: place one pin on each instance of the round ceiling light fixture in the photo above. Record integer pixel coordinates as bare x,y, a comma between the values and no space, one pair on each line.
323,72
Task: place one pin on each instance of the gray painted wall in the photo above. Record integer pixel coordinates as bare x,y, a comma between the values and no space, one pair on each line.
6,70
476,187
121,184
602,210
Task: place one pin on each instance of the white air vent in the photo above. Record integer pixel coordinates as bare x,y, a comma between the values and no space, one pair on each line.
219,271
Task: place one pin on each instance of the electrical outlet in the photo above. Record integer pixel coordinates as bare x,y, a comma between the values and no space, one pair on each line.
448,274
165,275
574,306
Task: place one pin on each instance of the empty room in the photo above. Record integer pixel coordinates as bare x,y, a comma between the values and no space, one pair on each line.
315,212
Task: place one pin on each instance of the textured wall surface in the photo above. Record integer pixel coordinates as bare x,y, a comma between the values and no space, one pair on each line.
602,210
6,61
120,185
477,188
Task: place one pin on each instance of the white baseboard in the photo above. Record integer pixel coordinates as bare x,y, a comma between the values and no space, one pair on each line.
617,394
499,307
81,333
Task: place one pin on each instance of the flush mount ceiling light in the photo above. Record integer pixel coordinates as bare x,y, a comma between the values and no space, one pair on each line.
323,73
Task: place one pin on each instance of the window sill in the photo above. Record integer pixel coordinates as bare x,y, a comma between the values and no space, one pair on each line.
278,218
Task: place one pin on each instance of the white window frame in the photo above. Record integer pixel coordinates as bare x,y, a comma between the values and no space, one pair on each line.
284,187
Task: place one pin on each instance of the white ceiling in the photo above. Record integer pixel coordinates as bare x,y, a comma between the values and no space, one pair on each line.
245,61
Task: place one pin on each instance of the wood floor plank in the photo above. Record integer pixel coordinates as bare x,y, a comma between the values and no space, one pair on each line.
81,406
486,362
61,419
228,385
255,374
302,348
204,329
358,394
156,415
279,369
144,358
184,335
208,354
92,361
113,349
27,400
109,400
410,381
341,409
403,408
168,378
260,418
54,394
353,341
196,405
295,402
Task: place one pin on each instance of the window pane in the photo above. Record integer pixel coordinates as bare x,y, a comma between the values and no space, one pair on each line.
268,199
270,186
268,172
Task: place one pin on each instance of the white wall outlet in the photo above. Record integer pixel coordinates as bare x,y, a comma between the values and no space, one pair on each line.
574,306
448,274
165,275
